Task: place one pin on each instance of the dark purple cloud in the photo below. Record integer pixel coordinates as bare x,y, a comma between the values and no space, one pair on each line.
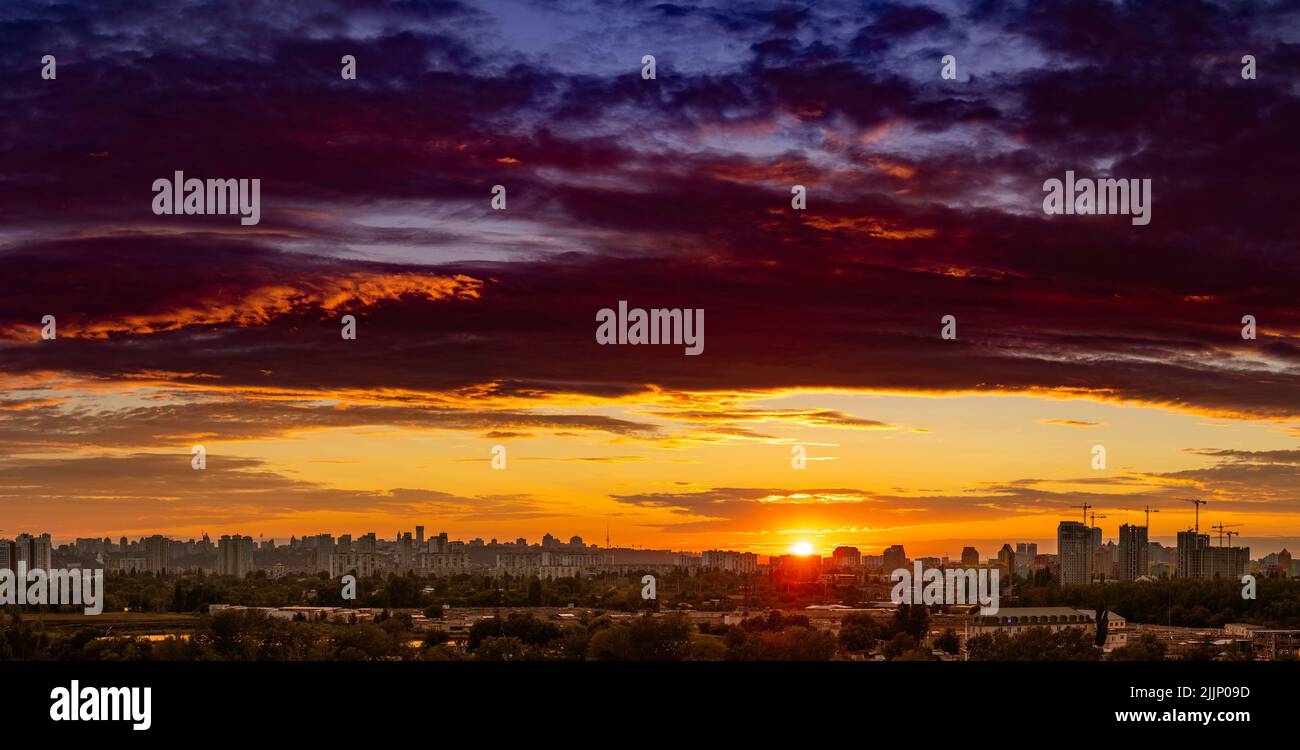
923,198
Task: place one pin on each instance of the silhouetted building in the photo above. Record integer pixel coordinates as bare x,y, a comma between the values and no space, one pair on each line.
795,568
1026,558
895,558
1226,562
1007,558
846,558
1192,555
155,553
1074,553
359,564
1133,552
735,562
8,555
235,555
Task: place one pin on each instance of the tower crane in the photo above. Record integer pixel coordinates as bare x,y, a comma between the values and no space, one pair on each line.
1220,527
1198,504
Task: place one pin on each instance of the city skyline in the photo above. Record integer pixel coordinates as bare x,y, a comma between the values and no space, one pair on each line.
798,547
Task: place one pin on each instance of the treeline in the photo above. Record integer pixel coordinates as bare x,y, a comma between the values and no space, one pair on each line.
1078,644
193,592
250,635
1176,601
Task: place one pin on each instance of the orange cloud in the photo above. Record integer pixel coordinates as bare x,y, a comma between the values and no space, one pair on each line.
258,305
869,225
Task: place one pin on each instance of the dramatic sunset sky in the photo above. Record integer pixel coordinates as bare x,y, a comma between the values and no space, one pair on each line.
477,327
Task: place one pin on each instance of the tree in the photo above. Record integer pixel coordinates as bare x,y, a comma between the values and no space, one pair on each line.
642,639
913,619
858,632
900,644
521,625
707,648
775,621
948,641
401,592
790,644
501,648
1034,644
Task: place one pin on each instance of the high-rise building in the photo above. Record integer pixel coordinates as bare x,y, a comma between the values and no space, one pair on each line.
1284,562
846,558
735,562
1192,562
1007,558
970,556
1133,552
405,552
1026,554
322,546
1226,562
23,550
42,552
360,564
235,555
8,555
895,558
34,551
419,538
1074,553
795,568
155,553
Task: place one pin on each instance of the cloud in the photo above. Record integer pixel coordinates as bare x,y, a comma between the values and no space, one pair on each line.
802,417
181,419
1071,422
154,491
1268,482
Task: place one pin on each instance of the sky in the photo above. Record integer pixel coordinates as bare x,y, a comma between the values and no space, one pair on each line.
476,327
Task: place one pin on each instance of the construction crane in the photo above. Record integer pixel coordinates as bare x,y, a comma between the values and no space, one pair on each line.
1198,503
1094,519
1231,534
1085,507
1220,528
1149,510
